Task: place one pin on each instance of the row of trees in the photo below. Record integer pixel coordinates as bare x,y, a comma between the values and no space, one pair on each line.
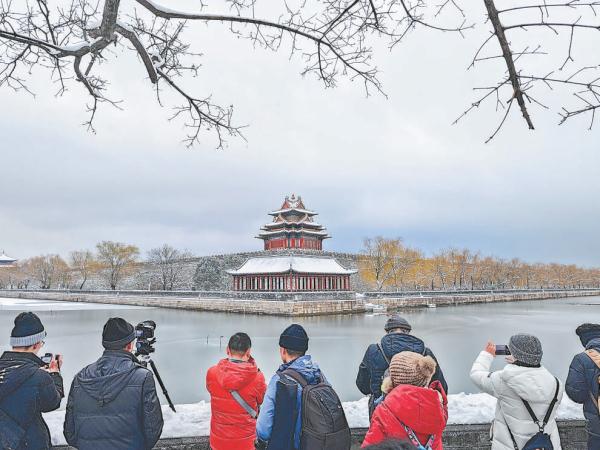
108,265
388,264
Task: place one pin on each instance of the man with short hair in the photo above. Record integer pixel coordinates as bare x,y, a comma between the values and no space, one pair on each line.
113,403
28,387
583,380
237,388
279,424
378,356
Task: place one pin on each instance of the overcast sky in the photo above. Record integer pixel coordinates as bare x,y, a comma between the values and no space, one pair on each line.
369,166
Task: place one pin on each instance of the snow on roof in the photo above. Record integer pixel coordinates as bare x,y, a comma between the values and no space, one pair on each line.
287,210
6,259
301,231
285,264
287,222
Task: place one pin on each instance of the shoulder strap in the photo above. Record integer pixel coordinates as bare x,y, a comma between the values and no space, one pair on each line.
516,447
552,404
238,398
387,360
548,413
293,374
412,437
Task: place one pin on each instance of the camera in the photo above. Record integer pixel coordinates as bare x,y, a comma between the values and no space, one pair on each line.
502,350
144,334
47,358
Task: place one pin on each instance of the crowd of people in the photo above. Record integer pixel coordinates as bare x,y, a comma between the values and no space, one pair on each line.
113,403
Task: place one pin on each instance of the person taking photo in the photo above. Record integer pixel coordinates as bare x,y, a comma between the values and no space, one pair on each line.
28,387
113,402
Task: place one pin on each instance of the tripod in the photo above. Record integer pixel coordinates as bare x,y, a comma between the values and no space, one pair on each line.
145,360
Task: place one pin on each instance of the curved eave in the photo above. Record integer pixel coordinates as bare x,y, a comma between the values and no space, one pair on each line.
300,272
289,210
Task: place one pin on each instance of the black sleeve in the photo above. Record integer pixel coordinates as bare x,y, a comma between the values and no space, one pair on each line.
363,378
438,375
51,391
153,419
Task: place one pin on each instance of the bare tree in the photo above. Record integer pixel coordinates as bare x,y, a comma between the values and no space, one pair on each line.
45,269
83,263
169,263
116,260
71,40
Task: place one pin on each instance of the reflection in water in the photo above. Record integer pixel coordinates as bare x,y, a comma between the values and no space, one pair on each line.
190,342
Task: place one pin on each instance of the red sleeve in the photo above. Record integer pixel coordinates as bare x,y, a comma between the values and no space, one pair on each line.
376,433
210,379
436,385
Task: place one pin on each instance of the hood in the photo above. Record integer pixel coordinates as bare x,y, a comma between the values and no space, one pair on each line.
593,343
305,367
16,369
400,342
234,376
588,332
105,379
534,384
419,408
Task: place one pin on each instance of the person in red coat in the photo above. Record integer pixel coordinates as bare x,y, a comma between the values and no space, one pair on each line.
413,408
233,422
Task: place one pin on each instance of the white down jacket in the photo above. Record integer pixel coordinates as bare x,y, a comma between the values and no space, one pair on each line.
509,386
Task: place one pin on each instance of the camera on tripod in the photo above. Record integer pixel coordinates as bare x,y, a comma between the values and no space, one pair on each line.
145,340
144,334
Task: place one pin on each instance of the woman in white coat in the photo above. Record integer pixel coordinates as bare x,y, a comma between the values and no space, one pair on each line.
523,378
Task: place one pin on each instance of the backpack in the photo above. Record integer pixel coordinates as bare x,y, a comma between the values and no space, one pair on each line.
324,424
595,357
540,440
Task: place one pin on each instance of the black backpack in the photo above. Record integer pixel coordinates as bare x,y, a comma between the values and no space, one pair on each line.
324,424
540,440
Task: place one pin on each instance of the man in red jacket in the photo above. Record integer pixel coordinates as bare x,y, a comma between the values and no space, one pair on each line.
237,388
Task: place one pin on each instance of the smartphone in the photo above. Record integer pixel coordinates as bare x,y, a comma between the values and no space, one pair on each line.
502,350
47,358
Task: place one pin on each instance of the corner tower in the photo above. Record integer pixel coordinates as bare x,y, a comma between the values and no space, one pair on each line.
293,227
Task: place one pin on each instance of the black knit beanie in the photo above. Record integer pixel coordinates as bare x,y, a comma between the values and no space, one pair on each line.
117,334
28,330
294,338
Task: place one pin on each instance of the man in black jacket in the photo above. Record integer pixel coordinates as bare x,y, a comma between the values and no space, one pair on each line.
378,356
27,388
113,403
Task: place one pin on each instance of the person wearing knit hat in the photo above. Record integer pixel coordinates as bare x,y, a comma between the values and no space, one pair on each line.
275,419
523,379
28,386
377,357
412,406
582,381
113,402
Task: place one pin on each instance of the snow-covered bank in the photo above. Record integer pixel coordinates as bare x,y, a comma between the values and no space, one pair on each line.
194,419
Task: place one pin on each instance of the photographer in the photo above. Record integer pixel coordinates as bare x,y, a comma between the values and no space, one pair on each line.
524,388
27,387
113,402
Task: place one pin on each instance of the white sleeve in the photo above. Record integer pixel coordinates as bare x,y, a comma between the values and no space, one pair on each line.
480,372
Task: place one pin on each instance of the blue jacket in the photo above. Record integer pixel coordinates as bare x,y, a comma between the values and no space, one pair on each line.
374,365
264,425
26,391
582,385
113,405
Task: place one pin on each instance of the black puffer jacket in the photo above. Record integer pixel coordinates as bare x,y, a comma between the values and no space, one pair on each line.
582,382
26,391
374,365
113,405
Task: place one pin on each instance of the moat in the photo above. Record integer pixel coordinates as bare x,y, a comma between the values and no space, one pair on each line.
189,342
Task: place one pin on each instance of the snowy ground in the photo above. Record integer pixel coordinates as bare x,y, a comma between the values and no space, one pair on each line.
194,419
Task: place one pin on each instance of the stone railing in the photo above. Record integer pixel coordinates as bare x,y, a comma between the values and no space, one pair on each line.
456,437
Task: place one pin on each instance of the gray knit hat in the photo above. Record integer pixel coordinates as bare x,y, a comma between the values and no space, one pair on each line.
397,321
526,348
28,330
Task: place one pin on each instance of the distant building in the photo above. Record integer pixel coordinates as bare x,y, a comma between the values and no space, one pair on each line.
293,226
285,267
6,261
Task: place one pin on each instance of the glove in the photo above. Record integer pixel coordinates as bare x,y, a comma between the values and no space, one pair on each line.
260,445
